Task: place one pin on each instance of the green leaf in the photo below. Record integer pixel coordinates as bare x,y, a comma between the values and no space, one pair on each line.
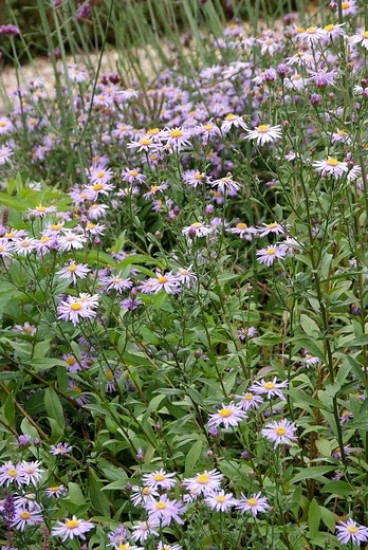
314,518
55,412
328,518
193,456
339,488
98,499
314,472
75,494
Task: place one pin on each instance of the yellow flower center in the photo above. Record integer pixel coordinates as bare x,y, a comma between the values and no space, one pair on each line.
153,131
198,176
2,124
203,479
12,472
280,430
365,34
269,386
44,239
241,225
343,132
9,235
196,225
252,501
230,116
263,128
270,251
248,397
332,162
55,488
1,248
161,505
133,173
90,225
71,523
72,268
146,491
176,133
25,515
159,477
225,413
76,306
208,127
220,498
272,225
40,208
311,30
97,187
109,374
345,5
329,27
56,226
162,280
300,29
70,361
145,141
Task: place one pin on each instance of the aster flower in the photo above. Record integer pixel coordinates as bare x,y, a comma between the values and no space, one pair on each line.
74,271
165,546
23,518
6,248
350,531
311,35
269,254
271,388
165,511
143,144
71,241
196,229
331,167
144,529
349,7
167,282
265,134
221,501
249,401
204,483
11,473
24,246
141,495
360,38
194,178
118,536
243,231
77,74
72,308
5,154
255,504
31,471
231,121
280,432
186,277
71,528
267,228
56,491
60,449
176,138
226,185
228,415
40,211
159,479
